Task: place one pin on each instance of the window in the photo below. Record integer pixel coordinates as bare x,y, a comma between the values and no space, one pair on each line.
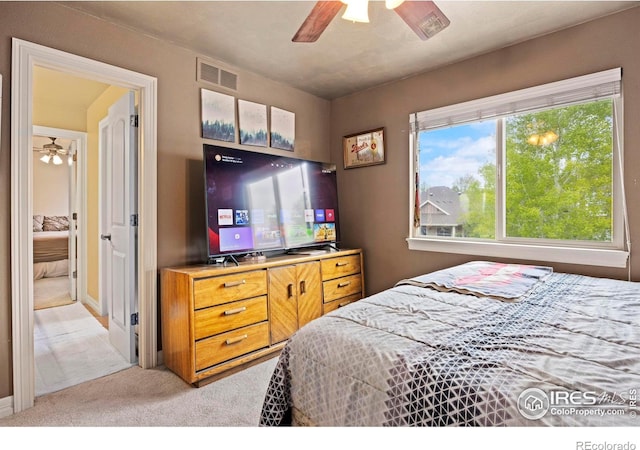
532,174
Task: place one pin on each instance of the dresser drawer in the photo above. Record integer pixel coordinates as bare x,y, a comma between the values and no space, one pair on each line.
335,304
223,347
340,267
228,288
341,287
221,318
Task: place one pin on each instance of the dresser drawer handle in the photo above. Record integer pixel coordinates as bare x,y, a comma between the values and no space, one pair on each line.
342,264
345,284
235,283
235,311
340,305
236,340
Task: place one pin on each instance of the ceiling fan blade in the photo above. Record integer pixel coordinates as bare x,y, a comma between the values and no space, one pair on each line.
424,18
318,19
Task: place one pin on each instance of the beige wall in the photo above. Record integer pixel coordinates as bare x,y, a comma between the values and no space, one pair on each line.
180,180
374,201
97,111
50,187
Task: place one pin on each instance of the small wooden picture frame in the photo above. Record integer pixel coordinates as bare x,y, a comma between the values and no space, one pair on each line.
364,149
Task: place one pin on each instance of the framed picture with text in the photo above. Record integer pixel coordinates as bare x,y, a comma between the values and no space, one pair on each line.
364,149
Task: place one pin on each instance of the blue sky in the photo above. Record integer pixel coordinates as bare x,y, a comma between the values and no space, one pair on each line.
449,153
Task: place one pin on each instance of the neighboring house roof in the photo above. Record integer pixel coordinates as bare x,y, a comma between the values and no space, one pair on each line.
440,207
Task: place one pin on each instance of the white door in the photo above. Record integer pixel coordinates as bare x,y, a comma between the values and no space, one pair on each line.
119,240
73,223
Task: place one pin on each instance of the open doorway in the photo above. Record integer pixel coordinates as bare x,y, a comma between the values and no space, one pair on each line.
54,213
71,338
27,56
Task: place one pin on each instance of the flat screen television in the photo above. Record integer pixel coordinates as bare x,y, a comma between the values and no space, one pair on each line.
257,202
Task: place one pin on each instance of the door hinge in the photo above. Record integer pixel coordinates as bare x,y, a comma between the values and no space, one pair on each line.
134,220
75,274
74,216
134,319
133,119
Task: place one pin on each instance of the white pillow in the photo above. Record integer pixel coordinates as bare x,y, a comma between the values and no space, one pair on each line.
38,220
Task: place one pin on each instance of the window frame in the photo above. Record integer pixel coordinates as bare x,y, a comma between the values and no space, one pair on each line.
606,254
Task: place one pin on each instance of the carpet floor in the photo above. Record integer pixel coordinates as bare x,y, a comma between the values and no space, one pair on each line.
138,397
51,292
71,347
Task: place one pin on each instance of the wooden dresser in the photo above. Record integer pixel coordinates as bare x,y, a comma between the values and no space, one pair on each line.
218,319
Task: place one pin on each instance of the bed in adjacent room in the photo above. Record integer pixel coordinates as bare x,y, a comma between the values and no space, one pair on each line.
480,344
50,246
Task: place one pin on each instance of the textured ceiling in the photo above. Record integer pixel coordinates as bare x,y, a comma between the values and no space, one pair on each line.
348,57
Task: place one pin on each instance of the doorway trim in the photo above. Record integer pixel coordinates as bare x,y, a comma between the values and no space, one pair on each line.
26,55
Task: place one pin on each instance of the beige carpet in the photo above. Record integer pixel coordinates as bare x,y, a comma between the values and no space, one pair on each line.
51,292
152,398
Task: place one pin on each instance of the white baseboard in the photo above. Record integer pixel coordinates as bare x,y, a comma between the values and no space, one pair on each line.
6,406
92,303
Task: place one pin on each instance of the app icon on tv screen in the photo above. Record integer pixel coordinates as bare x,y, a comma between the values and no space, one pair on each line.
235,238
324,232
225,217
242,217
309,215
329,215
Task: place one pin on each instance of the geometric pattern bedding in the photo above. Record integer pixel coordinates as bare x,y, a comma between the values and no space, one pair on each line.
566,355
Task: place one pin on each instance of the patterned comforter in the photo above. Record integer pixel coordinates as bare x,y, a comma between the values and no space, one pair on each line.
568,354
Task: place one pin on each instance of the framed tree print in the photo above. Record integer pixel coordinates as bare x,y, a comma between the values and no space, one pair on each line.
218,116
253,123
283,129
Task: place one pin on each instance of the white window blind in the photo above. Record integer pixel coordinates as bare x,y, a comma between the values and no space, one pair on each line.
605,84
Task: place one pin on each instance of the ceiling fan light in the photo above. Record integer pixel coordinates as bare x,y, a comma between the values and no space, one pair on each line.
357,11
45,159
57,160
393,4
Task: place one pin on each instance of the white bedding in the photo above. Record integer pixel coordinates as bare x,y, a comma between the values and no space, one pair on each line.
50,234
51,269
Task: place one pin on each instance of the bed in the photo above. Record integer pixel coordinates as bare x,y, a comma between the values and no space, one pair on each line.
50,246
480,344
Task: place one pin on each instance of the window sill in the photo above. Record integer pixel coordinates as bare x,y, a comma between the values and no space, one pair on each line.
569,255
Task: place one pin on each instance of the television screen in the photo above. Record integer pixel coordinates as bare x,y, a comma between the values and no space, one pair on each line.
258,202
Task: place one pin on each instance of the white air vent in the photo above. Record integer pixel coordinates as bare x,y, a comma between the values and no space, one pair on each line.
208,72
